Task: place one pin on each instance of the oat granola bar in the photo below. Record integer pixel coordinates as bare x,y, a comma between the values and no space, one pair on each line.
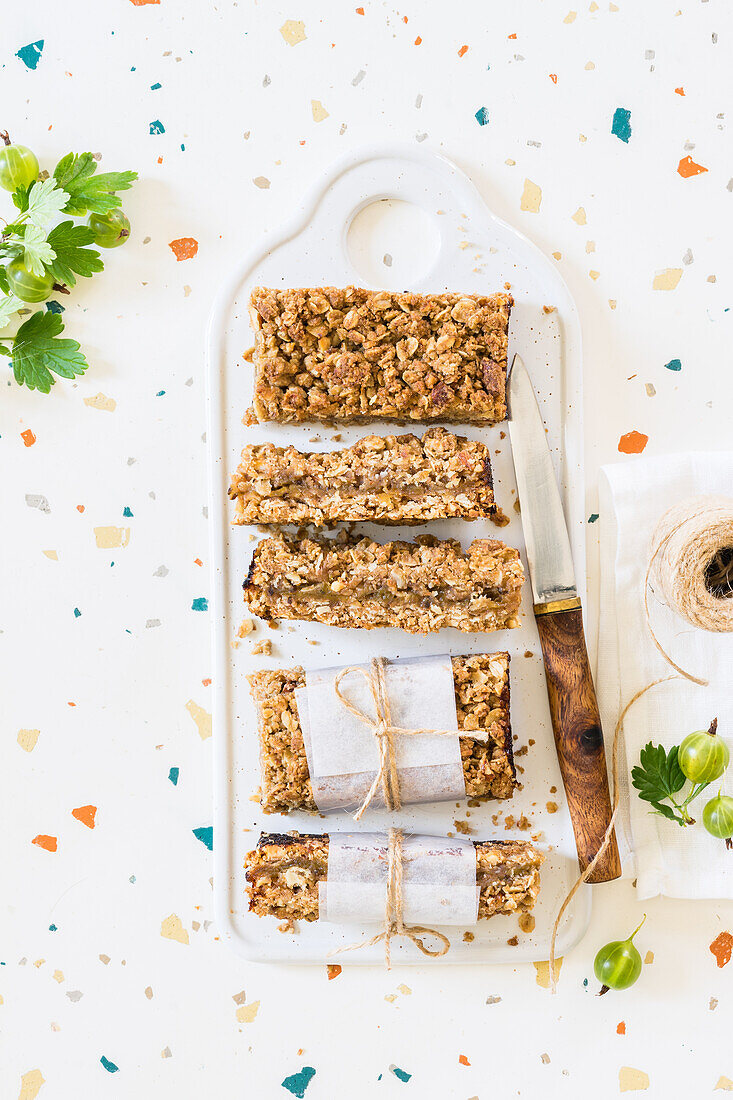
331,354
419,586
482,703
284,870
392,480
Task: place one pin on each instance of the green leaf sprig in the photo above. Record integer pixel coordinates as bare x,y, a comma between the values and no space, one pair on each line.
660,775
40,254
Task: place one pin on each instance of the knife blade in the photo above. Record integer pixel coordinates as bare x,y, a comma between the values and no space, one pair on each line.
574,712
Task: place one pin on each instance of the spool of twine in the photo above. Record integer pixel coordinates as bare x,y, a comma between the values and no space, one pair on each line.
690,570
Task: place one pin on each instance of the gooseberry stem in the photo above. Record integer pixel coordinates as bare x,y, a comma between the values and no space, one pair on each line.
631,937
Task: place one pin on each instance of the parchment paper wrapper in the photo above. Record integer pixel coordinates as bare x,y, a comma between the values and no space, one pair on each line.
438,880
342,751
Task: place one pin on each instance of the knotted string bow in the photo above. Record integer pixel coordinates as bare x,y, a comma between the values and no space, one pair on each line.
394,924
385,731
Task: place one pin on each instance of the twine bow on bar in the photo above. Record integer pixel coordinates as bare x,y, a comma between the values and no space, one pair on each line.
394,924
387,776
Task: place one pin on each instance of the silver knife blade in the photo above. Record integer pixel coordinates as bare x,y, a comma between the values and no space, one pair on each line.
550,561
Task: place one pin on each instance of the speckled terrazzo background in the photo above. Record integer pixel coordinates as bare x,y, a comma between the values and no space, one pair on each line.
602,133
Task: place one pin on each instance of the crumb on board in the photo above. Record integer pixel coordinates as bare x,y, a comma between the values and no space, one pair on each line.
245,627
468,937
551,807
527,922
263,649
513,941
463,827
549,309
528,653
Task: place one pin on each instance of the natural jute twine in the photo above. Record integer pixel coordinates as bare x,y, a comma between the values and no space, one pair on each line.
691,569
394,924
387,775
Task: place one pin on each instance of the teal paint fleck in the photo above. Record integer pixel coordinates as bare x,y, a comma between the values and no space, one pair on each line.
674,364
155,87
173,776
157,127
127,513
297,1083
205,833
132,879
160,393
109,1066
621,126
401,1074
183,148
52,928
585,981
200,604
133,68
30,55
482,116
54,307
593,517
77,613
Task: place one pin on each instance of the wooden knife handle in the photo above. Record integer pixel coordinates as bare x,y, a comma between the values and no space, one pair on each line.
576,724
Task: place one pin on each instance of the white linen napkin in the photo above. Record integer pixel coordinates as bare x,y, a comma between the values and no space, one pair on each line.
666,858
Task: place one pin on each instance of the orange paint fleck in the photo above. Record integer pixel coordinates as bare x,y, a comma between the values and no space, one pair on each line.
141,3
206,682
359,11
680,91
80,507
511,36
418,41
687,167
160,160
463,1060
404,19
621,1028
197,561
633,443
553,78
49,843
463,50
28,437
85,814
333,970
721,947
184,248
71,704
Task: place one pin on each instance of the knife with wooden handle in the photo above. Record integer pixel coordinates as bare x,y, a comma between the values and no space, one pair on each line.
576,722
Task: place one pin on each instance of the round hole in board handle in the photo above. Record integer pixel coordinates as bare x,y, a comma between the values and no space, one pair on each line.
393,244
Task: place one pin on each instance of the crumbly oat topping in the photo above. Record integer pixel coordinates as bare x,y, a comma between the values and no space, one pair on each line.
383,479
482,703
420,586
507,874
333,354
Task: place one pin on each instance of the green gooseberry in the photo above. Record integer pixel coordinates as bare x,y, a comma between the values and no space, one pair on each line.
717,817
618,964
703,756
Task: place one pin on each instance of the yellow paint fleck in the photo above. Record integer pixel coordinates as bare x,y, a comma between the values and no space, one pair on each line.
110,538
667,279
724,1084
101,401
632,1080
318,111
27,739
247,1013
58,976
201,717
51,555
391,997
570,17
590,246
579,216
293,31
649,957
557,255
593,7
30,1084
172,929
589,66
38,963
531,197
612,303
594,274
543,972
404,989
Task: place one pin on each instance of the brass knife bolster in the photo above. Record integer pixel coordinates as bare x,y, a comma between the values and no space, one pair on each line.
550,608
